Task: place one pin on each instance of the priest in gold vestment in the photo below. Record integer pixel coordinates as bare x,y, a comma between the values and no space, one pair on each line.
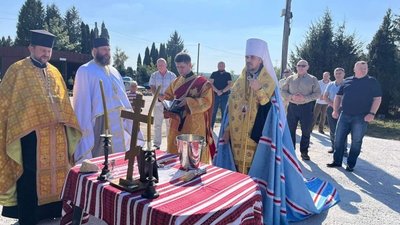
38,135
196,96
248,107
255,139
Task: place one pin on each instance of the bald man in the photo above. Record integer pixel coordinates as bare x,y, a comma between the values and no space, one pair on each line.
301,89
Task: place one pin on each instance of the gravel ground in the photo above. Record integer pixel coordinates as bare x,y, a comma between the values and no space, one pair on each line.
369,195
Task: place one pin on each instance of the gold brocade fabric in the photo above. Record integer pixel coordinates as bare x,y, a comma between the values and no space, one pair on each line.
197,120
34,99
243,106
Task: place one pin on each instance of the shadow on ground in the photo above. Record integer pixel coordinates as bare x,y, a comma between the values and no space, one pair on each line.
377,183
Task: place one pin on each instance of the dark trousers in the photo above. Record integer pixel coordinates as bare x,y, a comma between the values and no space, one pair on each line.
304,114
219,103
27,210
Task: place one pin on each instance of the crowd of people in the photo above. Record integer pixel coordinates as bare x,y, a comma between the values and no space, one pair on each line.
43,134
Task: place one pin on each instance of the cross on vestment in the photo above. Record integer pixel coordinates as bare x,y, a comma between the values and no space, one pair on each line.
137,117
47,85
51,97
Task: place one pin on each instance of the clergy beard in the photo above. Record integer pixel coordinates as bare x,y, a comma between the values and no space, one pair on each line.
102,59
41,59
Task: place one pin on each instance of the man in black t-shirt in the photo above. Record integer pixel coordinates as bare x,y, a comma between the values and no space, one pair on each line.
221,82
360,97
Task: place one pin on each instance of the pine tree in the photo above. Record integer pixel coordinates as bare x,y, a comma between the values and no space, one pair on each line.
154,54
174,46
73,25
95,31
9,42
55,25
92,37
104,31
325,50
142,75
147,59
396,29
139,61
31,17
384,63
130,72
52,11
85,39
2,42
318,47
6,42
162,53
347,50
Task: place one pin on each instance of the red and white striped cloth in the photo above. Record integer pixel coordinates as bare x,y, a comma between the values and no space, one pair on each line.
218,197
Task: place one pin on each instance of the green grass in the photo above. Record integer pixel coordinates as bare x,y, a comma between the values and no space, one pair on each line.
385,129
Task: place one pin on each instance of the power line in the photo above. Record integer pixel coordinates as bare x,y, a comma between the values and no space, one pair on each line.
221,50
8,18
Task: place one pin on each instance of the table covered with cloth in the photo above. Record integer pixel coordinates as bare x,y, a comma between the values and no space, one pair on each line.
218,197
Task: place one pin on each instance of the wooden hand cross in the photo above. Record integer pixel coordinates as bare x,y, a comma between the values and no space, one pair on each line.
137,117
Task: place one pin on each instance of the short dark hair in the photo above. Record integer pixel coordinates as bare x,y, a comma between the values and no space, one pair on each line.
182,57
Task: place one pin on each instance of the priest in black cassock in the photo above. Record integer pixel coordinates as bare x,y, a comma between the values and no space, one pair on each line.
38,135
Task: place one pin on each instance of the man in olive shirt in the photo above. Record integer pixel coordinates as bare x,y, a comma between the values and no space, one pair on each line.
301,89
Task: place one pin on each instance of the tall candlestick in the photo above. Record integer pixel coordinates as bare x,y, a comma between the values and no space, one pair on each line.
149,117
106,127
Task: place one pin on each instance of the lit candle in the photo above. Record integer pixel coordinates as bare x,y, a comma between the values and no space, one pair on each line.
106,128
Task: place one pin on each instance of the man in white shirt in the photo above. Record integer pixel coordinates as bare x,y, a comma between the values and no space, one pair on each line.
162,78
321,105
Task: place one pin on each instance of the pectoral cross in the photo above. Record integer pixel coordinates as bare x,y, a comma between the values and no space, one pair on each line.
137,118
51,97
46,81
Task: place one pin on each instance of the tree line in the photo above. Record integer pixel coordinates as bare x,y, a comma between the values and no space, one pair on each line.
75,36
326,47
71,32
145,67
167,51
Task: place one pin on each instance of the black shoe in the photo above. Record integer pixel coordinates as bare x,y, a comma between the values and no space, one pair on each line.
156,147
305,156
331,151
348,168
333,165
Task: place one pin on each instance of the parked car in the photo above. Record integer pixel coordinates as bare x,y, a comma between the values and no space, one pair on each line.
145,91
127,82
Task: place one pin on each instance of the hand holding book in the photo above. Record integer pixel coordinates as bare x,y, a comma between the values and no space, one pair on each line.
172,106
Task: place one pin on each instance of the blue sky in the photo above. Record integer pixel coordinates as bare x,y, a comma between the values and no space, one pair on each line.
220,26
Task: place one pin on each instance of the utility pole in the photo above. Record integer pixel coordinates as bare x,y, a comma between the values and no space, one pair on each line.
198,57
286,32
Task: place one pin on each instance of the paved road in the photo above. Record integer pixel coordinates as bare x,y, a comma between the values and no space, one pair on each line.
370,195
